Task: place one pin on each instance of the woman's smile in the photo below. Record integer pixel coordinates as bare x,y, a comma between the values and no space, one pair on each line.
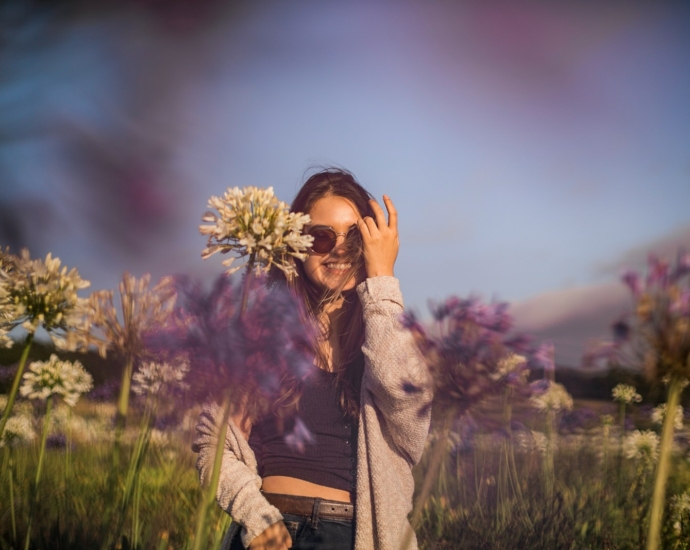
328,270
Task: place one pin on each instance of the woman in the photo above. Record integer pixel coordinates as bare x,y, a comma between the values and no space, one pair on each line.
367,404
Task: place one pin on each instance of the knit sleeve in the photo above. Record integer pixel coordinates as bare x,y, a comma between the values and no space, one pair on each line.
395,372
239,483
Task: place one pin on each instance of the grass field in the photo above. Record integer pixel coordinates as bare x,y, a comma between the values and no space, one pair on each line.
497,488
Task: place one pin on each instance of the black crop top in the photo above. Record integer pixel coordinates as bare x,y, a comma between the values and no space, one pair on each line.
330,459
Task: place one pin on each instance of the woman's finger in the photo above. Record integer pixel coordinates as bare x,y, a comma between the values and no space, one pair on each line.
371,226
378,212
392,213
363,228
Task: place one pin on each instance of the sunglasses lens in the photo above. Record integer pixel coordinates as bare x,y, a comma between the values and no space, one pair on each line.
324,240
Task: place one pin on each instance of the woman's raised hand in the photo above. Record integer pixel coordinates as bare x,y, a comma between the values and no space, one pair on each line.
380,239
275,537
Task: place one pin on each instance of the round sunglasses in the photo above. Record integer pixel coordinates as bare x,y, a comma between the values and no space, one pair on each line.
325,237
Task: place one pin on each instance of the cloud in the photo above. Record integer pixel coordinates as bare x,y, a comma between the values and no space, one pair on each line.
666,246
571,318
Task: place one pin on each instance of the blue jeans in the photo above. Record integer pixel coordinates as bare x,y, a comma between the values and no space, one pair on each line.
331,534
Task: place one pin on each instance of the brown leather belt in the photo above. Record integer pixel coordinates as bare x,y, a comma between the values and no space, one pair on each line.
305,506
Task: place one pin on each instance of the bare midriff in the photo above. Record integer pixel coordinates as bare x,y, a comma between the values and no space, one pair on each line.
285,485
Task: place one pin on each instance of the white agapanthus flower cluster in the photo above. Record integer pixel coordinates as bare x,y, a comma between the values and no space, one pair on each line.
527,442
18,431
624,393
508,365
140,309
555,399
39,293
253,222
684,382
680,511
659,414
153,378
642,445
159,438
55,377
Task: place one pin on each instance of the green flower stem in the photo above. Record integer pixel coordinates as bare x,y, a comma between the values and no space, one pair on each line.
68,446
12,511
247,283
39,469
619,469
663,468
438,454
209,496
15,383
121,420
508,484
548,457
134,473
123,399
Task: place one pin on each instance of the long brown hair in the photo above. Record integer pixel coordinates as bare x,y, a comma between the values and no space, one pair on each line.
334,182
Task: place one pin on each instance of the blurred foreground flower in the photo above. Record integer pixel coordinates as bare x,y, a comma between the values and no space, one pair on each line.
299,437
529,441
680,513
18,431
249,361
260,355
659,414
623,393
468,353
253,222
470,358
55,377
157,378
657,335
556,398
33,294
44,380
39,293
142,310
642,445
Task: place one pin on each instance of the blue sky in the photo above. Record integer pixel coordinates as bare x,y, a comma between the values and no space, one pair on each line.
530,149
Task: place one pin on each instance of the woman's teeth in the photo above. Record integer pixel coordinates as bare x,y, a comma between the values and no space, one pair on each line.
338,266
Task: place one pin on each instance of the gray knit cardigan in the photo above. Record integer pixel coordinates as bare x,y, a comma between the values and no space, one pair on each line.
394,424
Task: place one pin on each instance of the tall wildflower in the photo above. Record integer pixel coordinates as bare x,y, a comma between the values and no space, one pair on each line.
44,380
38,294
551,403
659,415
624,395
142,310
253,222
152,380
470,358
658,330
680,515
555,399
18,431
642,445
249,359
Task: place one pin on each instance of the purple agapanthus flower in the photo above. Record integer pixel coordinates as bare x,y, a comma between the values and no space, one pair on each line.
235,356
299,437
466,349
653,335
634,283
544,357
